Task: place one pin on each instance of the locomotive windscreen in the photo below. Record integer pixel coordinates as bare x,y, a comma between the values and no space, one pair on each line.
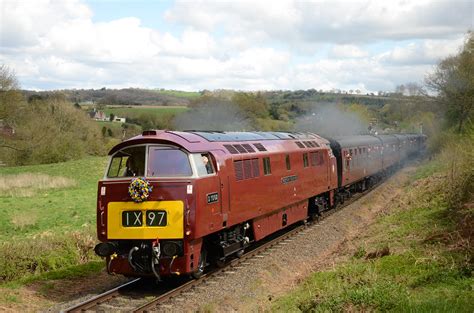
128,162
168,162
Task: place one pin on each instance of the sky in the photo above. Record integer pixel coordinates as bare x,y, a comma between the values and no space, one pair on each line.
242,45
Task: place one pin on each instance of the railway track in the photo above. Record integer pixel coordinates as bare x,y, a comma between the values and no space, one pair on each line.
127,293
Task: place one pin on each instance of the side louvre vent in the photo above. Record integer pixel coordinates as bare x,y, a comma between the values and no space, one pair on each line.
315,144
299,144
248,147
306,144
231,149
239,170
260,147
240,148
247,169
255,169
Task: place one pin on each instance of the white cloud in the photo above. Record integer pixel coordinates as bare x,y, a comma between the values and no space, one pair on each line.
239,45
425,52
300,23
347,52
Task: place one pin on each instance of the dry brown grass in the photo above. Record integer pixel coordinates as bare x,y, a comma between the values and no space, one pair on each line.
23,220
27,184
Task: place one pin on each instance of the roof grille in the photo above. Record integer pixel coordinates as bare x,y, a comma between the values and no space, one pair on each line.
315,144
299,144
240,148
248,147
260,147
231,149
306,144
311,144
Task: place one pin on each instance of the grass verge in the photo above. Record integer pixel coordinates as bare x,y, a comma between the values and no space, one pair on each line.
53,230
417,259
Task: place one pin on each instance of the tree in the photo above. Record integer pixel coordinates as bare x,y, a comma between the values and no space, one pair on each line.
453,81
414,89
400,90
253,105
11,100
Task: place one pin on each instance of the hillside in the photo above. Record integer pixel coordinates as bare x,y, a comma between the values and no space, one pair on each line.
127,96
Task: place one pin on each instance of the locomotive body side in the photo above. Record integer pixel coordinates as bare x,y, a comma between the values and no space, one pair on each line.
247,196
173,202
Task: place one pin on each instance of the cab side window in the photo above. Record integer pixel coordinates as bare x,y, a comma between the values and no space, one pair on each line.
204,165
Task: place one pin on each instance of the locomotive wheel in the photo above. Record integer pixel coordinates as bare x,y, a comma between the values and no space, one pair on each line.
202,264
239,253
220,263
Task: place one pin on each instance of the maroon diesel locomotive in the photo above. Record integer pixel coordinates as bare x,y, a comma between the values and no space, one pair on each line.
174,202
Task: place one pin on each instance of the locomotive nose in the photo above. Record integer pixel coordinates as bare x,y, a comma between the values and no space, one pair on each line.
105,249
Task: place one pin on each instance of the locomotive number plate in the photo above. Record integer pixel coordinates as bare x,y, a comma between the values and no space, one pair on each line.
152,218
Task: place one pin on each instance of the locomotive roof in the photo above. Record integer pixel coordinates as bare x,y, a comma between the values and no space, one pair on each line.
218,136
194,140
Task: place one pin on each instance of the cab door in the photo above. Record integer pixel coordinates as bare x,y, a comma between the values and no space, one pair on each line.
223,181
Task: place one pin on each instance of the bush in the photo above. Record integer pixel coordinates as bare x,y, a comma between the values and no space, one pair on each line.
48,252
50,131
457,157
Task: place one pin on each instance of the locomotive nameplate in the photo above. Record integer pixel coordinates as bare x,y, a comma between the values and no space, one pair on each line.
152,218
212,197
288,179
146,220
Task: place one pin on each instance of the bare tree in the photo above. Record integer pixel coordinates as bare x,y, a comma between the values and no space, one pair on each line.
453,81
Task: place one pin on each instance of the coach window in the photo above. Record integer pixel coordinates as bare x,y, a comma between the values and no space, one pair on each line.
305,160
267,169
288,164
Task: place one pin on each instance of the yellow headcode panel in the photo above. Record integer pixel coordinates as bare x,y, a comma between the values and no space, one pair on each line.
146,220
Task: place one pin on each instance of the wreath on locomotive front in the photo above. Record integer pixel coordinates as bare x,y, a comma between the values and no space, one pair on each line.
139,189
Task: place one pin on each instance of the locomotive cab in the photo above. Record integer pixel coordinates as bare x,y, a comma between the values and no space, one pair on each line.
146,205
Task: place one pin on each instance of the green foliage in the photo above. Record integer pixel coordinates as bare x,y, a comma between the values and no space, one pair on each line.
252,105
46,130
26,257
457,158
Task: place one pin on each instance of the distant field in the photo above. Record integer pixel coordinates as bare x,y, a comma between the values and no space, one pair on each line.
136,111
180,94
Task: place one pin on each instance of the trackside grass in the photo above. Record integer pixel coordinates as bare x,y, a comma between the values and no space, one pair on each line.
47,218
426,266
